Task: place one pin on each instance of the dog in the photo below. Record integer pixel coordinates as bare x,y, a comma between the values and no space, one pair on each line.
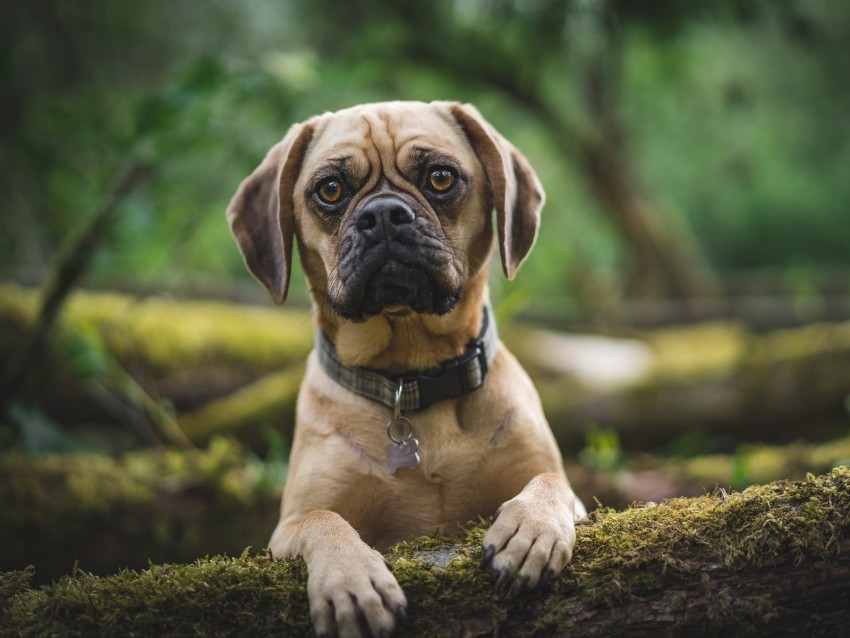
412,417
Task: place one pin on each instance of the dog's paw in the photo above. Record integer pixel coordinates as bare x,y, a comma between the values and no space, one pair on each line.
532,536
354,595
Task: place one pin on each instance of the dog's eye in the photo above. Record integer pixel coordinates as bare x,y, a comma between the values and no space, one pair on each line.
330,191
441,180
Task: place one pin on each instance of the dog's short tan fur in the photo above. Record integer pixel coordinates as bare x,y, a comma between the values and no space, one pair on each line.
488,449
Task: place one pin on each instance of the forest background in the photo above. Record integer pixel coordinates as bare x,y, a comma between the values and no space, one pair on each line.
695,156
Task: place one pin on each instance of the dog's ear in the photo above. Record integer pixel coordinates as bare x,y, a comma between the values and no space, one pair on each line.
261,212
516,191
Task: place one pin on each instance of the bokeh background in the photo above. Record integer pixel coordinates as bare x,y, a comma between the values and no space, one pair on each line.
684,313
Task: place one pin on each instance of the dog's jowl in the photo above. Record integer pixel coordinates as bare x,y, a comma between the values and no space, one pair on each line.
412,416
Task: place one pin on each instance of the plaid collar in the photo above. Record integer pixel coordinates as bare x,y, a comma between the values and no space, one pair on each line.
450,380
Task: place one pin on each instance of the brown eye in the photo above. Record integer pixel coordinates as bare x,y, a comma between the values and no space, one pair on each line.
441,180
330,191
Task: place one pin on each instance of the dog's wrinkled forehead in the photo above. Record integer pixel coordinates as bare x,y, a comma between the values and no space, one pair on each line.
392,140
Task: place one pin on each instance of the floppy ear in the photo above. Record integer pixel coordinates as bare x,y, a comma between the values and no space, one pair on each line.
261,213
514,186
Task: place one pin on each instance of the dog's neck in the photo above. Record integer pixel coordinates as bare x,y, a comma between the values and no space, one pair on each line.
417,389
414,342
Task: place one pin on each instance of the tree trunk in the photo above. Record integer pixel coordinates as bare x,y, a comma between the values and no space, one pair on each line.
664,261
772,560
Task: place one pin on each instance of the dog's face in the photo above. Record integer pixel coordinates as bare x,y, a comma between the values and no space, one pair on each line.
391,206
382,196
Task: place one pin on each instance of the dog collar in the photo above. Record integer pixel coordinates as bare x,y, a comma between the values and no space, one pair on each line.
449,380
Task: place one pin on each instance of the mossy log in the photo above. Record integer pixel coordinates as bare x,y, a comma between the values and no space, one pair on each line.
188,352
168,336
771,560
646,477
151,505
715,377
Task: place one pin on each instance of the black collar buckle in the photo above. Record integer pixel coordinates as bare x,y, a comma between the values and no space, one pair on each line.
454,378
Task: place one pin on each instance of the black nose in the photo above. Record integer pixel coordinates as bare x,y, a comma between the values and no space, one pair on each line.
382,218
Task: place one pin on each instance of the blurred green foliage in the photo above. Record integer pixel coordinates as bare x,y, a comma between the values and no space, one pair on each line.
732,115
602,449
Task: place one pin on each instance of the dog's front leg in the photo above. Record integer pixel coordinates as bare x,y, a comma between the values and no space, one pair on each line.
351,589
533,534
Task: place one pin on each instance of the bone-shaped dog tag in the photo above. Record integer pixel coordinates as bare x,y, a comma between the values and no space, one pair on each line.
403,454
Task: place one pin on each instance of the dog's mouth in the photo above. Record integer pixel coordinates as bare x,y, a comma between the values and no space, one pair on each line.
397,285
395,289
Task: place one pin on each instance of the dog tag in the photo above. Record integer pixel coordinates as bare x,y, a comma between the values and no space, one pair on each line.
402,454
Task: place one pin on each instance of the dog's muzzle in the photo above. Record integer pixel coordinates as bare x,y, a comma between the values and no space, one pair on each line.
393,256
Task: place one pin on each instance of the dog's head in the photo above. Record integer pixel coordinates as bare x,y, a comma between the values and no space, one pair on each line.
391,206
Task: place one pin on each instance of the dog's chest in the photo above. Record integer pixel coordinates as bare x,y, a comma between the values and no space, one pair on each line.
457,481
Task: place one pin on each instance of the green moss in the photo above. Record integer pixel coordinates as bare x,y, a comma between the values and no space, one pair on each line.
13,584
708,349
799,343
217,596
440,573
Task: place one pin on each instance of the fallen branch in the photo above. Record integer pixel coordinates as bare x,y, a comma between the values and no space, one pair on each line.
244,412
773,559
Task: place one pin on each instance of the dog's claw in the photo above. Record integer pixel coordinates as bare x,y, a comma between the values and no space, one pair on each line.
384,634
401,616
503,580
519,586
546,576
487,556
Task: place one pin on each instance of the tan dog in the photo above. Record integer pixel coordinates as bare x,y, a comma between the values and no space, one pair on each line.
412,416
